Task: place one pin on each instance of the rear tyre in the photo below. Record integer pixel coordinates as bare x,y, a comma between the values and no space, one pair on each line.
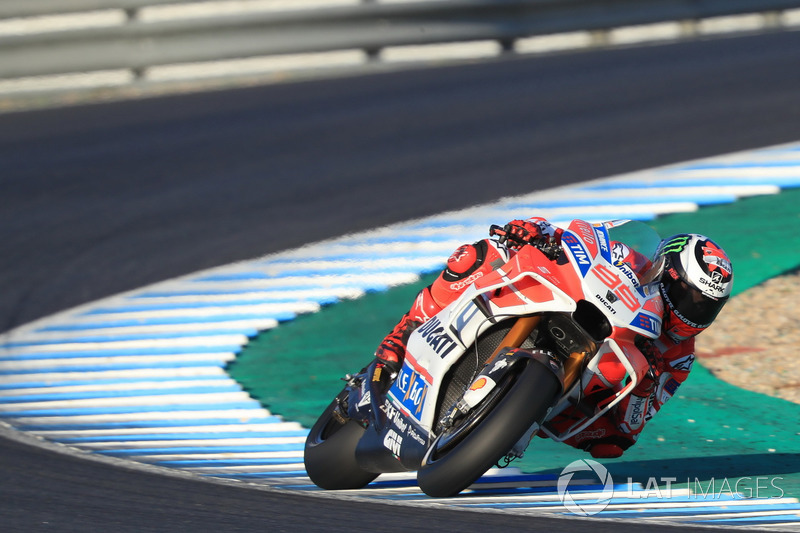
330,457
464,452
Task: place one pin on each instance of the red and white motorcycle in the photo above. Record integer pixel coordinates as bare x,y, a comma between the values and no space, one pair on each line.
542,334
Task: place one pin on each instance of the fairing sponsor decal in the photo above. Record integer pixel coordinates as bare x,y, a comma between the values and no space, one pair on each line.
647,322
393,442
603,242
433,333
579,253
410,389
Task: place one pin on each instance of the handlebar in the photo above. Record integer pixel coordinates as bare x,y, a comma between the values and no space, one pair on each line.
545,244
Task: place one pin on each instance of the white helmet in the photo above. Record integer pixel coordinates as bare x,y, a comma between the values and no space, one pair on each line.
695,284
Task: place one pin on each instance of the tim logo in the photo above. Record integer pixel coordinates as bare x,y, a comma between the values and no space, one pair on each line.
647,323
580,253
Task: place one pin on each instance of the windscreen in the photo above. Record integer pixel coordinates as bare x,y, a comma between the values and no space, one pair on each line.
641,238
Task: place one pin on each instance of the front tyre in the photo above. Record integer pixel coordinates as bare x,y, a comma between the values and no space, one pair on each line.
330,457
464,452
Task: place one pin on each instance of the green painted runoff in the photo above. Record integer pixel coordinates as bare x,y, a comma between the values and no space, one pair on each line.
710,437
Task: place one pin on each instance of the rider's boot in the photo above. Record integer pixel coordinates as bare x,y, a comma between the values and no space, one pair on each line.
389,356
391,352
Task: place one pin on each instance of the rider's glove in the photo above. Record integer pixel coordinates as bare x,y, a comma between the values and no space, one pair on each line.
654,359
521,232
518,233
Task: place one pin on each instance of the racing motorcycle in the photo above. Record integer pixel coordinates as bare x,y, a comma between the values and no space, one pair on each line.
553,330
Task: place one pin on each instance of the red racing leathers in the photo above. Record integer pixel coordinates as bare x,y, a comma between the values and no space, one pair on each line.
618,429
613,433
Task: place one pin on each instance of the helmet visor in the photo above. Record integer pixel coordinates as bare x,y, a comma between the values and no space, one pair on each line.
690,305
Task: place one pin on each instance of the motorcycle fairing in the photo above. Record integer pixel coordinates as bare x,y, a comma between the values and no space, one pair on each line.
507,292
529,283
398,446
410,388
615,288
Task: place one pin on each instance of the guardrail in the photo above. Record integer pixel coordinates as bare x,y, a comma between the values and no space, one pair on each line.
32,8
138,45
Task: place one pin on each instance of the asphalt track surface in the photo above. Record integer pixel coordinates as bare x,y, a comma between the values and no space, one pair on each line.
105,198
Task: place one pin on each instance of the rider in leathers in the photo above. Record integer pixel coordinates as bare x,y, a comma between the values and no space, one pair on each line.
695,284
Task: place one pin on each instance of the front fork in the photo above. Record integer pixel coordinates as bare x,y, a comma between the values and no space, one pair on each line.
506,357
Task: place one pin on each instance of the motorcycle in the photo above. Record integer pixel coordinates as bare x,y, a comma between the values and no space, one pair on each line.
552,331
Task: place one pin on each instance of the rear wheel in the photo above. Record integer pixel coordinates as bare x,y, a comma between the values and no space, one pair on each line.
462,453
330,457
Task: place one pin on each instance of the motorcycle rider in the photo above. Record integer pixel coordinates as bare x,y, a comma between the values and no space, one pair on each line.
695,284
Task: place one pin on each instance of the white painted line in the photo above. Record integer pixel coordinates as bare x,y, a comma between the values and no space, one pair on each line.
215,340
264,309
735,515
226,428
765,173
355,280
211,456
121,387
133,401
699,502
644,500
365,264
241,415
345,293
82,326
646,497
143,373
94,362
210,443
211,470
86,329
567,213
689,191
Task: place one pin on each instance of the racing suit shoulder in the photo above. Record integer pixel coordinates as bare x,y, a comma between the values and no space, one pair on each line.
467,264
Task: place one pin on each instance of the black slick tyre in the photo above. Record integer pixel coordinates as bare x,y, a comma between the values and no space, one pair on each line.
464,452
329,455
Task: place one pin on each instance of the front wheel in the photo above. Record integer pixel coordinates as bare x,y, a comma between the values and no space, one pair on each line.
330,457
464,452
